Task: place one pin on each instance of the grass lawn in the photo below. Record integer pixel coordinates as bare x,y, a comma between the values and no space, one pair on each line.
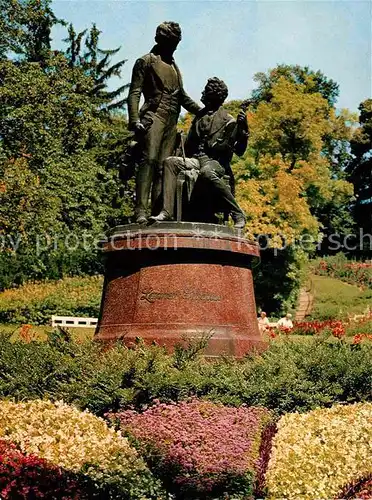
336,299
41,332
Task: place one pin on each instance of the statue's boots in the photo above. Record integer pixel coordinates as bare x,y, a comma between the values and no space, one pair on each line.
239,220
162,217
141,218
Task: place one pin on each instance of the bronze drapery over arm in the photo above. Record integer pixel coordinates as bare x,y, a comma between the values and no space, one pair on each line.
135,91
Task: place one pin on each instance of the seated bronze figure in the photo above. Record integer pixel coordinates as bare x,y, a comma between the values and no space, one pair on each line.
213,138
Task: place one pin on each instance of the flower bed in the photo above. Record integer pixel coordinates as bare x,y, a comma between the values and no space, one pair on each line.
28,476
203,448
359,329
357,339
315,454
354,273
317,327
77,442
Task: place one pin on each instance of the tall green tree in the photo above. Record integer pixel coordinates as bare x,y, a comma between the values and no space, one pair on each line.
46,189
360,168
56,145
36,113
25,29
83,51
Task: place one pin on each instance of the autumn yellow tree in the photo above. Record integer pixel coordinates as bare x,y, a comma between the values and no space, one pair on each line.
291,183
285,177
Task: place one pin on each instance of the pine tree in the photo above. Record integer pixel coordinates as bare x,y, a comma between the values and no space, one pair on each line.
25,29
83,52
96,63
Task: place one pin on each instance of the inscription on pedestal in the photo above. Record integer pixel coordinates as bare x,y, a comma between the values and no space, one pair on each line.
151,296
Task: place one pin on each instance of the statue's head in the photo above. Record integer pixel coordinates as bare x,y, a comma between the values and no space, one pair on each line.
168,35
214,93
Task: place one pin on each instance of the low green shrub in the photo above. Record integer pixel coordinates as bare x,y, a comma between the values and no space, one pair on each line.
289,376
36,302
34,262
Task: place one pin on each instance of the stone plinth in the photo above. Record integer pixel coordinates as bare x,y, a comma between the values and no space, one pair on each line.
179,280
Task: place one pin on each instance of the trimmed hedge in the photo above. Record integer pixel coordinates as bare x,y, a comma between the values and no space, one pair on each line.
289,376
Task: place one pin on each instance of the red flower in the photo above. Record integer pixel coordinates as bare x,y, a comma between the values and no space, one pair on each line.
357,339
25,333
338,331
28,476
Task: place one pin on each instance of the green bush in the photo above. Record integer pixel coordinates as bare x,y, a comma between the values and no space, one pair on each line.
289,376
17,268
36,302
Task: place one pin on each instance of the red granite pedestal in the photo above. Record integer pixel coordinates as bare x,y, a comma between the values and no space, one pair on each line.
171,282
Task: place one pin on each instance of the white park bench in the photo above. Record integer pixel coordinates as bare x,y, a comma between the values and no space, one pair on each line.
74,322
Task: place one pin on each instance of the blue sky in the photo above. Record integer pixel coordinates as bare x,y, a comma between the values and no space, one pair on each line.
234,39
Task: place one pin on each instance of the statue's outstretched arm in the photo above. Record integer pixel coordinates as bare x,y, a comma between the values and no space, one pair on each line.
189,104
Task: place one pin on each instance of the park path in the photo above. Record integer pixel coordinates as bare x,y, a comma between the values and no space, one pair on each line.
305,301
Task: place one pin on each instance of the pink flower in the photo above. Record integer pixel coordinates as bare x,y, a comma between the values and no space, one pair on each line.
206,443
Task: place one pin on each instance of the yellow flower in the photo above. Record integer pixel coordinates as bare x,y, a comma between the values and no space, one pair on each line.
65,436
315,454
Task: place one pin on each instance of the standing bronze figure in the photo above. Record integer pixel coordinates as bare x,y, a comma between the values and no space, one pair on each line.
213,138
156,77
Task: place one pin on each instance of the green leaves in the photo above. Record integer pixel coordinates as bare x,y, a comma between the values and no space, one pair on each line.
25,29
360,167
312,81
61,143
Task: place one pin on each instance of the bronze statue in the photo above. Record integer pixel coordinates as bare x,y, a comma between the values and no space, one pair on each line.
213,138
157,77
